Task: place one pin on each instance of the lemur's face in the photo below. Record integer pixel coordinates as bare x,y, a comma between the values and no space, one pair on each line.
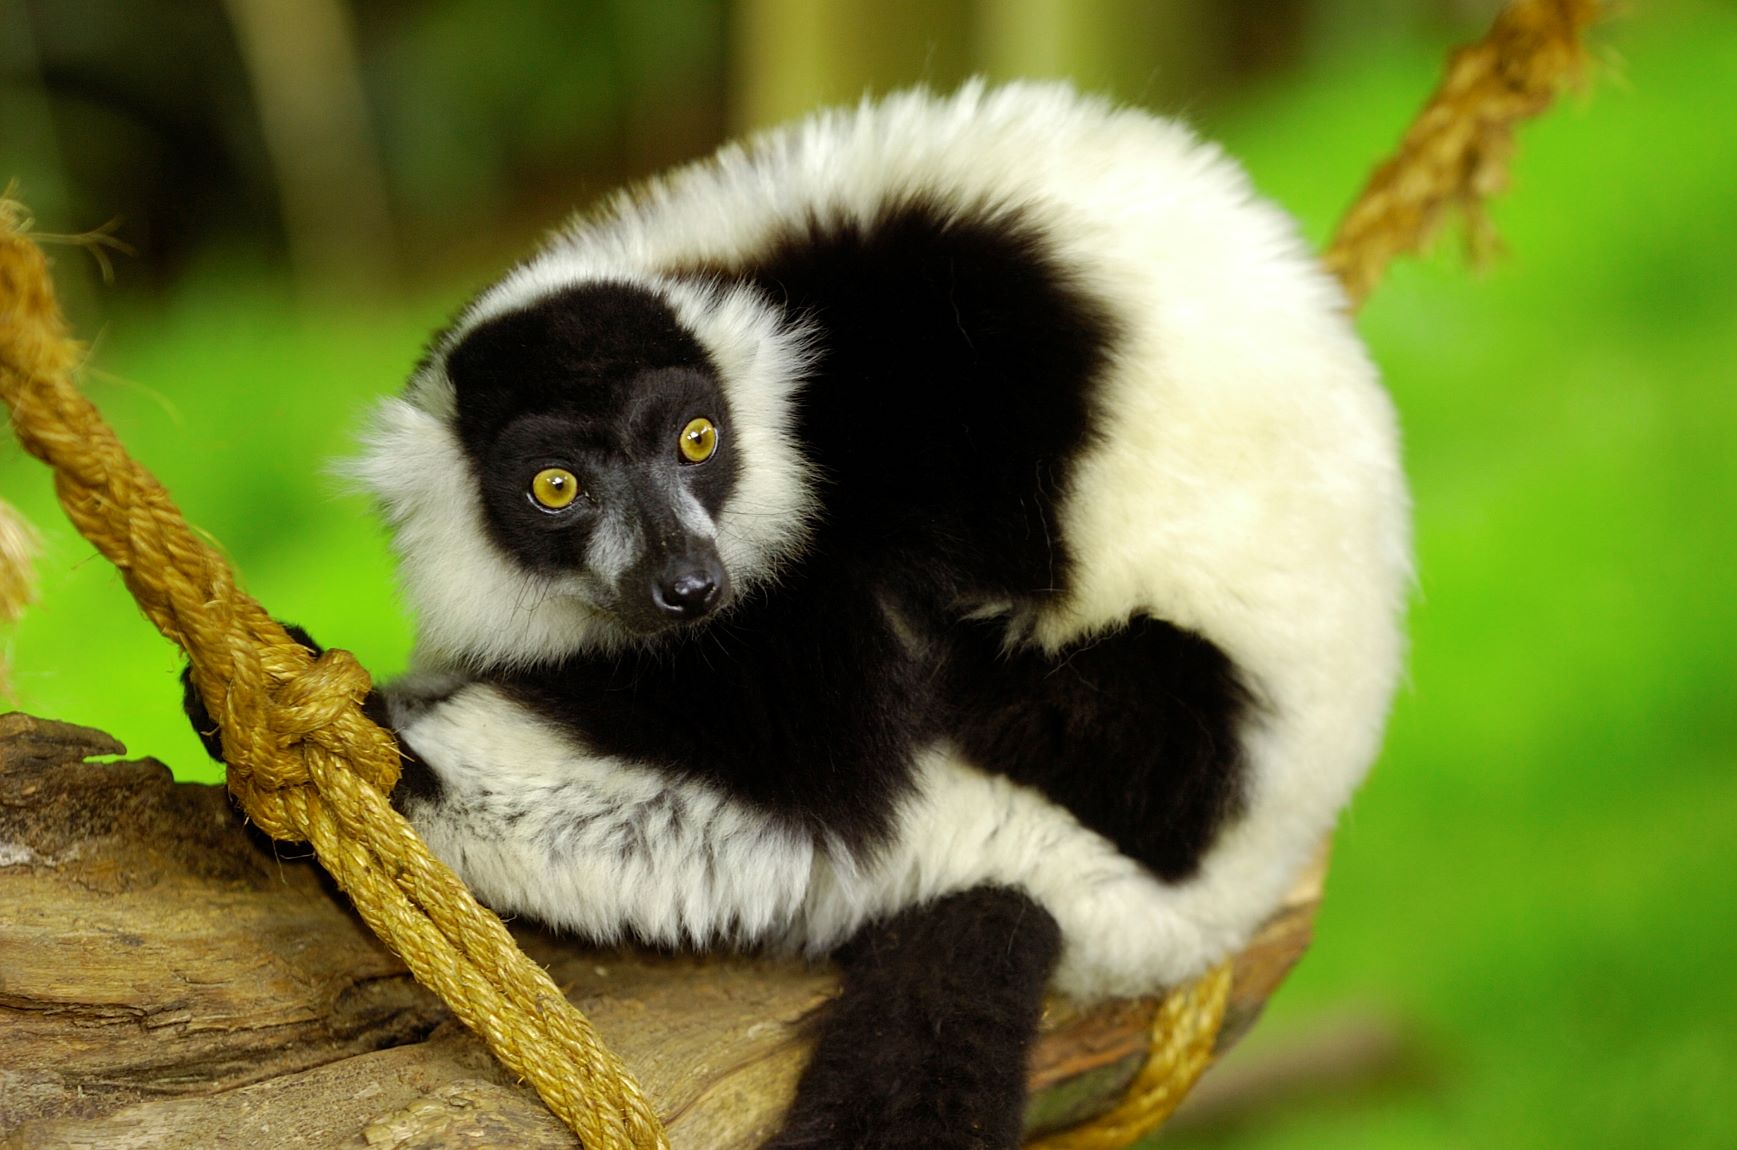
601,444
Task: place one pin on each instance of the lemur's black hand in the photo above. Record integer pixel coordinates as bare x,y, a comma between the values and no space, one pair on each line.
414,779
203,724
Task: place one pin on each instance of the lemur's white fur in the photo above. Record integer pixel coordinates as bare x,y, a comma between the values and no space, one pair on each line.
1248,489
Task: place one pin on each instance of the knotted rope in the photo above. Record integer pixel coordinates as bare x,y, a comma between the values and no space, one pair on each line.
307,765
304,762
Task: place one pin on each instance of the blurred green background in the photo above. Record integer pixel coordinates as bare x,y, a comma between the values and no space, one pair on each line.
1528,938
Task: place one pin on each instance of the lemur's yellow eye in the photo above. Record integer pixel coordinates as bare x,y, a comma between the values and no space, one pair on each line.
699,440
554,488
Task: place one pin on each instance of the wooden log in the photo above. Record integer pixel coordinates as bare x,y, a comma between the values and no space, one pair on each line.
169,978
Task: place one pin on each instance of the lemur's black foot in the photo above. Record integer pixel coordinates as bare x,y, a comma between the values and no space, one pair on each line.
925,1049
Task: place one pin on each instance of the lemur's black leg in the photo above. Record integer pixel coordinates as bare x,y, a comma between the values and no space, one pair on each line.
926,1047
413,778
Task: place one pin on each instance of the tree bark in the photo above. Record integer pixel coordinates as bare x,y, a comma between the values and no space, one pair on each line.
171,979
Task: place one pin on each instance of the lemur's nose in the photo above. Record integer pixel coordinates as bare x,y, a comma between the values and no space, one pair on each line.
689,592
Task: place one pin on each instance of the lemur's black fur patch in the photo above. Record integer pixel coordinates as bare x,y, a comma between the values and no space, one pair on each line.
1135,732
576,351
802,702
952,397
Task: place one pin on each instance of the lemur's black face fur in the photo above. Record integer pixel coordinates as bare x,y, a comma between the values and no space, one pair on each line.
601,445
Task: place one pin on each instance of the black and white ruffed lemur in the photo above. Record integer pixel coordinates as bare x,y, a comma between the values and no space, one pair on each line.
959,535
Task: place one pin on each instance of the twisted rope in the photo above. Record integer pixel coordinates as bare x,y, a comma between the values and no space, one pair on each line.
304,762
1184,1031
1455,154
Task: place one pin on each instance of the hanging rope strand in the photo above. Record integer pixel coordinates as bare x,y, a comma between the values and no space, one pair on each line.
1455,154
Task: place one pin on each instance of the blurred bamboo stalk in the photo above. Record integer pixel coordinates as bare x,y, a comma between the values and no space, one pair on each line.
788,57
1032,37
1152,54
779,56
304,70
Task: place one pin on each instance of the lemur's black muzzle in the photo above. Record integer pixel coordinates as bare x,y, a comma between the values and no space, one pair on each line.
679,576
691,586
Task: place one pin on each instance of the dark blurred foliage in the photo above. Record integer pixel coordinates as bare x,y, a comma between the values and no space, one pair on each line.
485,122
479,113
139,111
518,112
